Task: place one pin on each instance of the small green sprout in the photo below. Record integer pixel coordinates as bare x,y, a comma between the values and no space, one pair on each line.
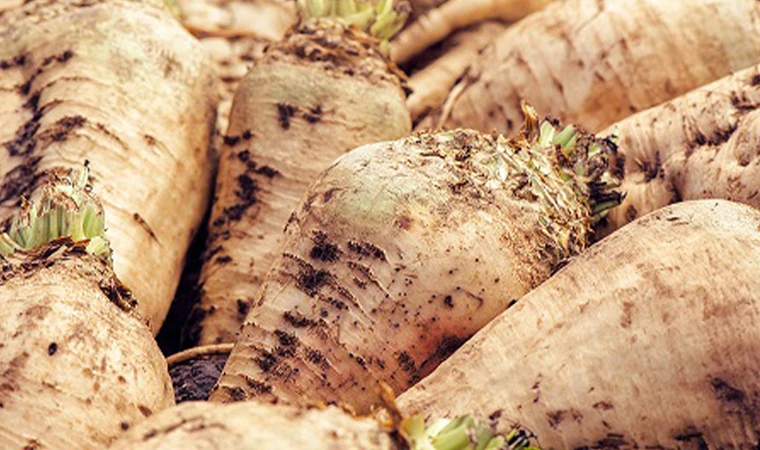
462,433
66,208
380,18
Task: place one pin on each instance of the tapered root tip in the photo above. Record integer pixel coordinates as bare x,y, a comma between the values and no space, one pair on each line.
66,209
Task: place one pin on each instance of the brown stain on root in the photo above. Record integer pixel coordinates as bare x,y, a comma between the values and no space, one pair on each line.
33,444
555,418
314,356
726,393
404,222
286,112
652,169
274,364
603,406
308,279
150,140
313,114
16,61
258,387
367,249
236,394
243,307
627,318
736,402
170,65
23,143
144,410
118,294
696,438
49,61
140,221
445,348
21,180
298,320
631,213
10,376
407,364
232,140
246,194
311,280
223,260
106,131
63,127
323,249
247,189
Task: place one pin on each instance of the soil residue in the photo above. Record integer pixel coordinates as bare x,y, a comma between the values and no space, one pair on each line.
323,249
286,112
445,348
298,320
193,379
21,180
367,249
246,194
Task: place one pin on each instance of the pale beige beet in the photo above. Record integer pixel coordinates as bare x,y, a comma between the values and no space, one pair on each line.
254,425
248,425
312,97
234,34
594,62
402,250
647,340
120,83
77,364
75,368
700,145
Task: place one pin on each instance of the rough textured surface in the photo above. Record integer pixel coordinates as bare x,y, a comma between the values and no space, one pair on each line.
647,340
233,47
80,80
76,368
233,58
595,62
305,103
193,379
431,84
700,145
436,24
235,33
398,253
196,426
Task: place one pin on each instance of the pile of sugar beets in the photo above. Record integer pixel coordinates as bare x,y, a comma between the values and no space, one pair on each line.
379,224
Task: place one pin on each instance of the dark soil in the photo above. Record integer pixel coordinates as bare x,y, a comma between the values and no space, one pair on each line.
179,331
193,379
